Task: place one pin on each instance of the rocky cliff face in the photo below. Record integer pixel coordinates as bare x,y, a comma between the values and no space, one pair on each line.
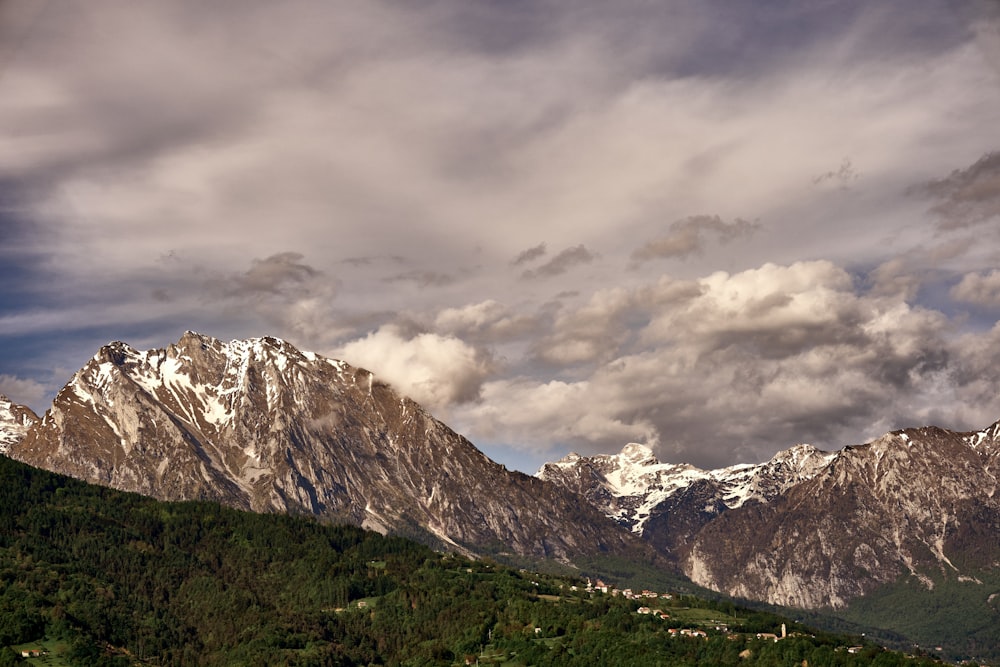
917,501
15,420
811,528
260,425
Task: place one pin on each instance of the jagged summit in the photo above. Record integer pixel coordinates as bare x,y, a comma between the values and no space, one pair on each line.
628,486
260,425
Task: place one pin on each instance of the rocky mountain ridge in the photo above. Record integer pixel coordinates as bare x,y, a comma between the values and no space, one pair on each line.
628,486
260,425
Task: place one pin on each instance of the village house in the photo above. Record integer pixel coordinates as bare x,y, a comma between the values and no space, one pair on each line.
694,633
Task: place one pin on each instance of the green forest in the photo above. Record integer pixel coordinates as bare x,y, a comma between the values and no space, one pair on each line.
91,576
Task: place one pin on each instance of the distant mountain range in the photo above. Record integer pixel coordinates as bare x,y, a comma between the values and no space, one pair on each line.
260,425
809,528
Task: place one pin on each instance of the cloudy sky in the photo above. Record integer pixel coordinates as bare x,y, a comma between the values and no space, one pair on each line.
719,228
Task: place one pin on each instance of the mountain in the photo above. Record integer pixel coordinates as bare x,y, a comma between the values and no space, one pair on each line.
808,528
667,503
918,502
14,422
260,425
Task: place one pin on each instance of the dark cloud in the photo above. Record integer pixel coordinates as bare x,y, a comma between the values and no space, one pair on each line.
289,297
561,263
966,197
529,255
368,261
690,236
843,177
272,276
423,278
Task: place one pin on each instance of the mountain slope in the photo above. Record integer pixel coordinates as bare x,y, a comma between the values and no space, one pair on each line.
917,502
258,424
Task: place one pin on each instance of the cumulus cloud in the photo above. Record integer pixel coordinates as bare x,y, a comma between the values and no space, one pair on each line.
436,371
24,391
979,289
966,197
689,236
561,263
975,375
487,322
544,415
895,277
746,362
599,330
905,274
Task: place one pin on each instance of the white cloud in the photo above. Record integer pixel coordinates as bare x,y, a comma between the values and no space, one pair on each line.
436,371
979,289
749,363
540,416
22,390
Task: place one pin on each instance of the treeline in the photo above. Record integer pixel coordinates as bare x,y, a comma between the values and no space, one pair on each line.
121,579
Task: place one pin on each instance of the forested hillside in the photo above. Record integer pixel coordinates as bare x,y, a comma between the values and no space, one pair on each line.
96,576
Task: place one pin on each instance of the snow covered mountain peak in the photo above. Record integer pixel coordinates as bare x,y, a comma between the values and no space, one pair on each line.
987,440
631,485
15,420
